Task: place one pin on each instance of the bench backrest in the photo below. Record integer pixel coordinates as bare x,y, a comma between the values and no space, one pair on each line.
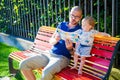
103,52
41,41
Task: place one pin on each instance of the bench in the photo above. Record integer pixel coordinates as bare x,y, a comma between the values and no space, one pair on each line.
97,67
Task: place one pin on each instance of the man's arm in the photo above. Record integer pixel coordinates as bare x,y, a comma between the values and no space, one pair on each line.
55,38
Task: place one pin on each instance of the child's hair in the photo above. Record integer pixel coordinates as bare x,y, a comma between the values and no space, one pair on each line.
76,8
90,20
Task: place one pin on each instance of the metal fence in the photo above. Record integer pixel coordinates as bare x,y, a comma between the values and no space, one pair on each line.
23,17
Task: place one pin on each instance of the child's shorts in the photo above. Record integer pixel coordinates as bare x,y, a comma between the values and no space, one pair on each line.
84,50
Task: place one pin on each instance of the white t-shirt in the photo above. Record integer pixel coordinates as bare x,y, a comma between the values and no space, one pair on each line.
86,38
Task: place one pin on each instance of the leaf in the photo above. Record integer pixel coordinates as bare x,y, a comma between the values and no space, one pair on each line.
66,8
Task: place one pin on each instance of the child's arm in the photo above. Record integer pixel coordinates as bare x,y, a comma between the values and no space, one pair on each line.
103,34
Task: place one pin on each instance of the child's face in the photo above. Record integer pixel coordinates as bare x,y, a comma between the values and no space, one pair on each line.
74,17
86,26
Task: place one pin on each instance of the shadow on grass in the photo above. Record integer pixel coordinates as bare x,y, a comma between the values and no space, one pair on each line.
17,76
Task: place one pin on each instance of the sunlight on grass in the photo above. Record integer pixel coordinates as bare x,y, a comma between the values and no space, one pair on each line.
5,50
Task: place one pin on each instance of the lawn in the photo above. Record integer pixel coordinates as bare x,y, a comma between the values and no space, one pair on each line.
5,50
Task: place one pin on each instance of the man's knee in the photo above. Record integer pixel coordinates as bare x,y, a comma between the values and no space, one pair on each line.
23,65
47,74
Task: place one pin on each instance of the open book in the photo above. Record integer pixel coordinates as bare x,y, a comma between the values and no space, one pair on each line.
73,36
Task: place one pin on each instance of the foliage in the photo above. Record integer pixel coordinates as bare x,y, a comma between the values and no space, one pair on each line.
3,16
26,16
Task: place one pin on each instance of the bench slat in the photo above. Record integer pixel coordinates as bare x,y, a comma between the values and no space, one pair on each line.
98,62
103,46
44,33
47,29
71,74
42,43
43,38
101,53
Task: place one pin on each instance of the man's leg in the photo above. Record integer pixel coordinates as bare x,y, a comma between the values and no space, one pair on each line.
55,65
34,62
28,74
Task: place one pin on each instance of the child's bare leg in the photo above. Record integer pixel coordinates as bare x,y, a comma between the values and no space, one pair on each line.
81,65
75,61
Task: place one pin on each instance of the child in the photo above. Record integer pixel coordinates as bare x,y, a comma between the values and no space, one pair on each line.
84,46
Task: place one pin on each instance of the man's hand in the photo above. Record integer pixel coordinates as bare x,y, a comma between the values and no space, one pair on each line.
69,44
55,38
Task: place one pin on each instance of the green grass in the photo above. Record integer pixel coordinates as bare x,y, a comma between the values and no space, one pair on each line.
5,50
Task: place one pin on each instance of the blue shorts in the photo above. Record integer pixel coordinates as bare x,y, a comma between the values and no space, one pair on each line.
84,50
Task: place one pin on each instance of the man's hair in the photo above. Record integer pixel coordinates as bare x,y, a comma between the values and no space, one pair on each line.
76,8
90,20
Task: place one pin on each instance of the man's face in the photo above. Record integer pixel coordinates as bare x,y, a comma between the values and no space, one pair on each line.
74,17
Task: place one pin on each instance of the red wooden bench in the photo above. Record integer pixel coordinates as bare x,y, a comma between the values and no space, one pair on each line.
97,67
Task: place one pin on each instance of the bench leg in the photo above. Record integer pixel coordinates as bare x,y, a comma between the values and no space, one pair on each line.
12,70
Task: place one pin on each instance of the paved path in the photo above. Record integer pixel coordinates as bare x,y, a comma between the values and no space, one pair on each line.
5,78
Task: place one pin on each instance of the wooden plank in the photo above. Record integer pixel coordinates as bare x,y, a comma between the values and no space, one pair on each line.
45,34
104,46
71,74
101,53
42,37
98,62
47,29
42,43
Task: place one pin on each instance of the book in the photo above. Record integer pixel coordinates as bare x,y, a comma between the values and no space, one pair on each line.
73,36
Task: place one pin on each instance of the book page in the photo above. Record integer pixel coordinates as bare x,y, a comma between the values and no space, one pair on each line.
73,36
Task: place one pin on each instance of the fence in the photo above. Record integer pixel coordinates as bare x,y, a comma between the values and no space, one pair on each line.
23,17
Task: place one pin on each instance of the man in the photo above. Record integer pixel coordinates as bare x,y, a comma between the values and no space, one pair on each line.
58,57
